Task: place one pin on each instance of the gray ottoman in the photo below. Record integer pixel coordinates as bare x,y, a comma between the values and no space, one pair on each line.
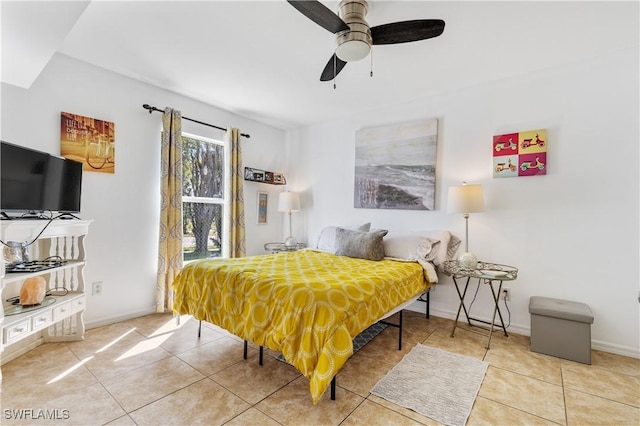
561,328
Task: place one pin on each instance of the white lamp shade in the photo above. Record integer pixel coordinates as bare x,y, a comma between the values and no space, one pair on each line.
288,202
466,199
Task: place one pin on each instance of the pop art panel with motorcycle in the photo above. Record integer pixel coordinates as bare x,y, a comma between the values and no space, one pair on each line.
520,154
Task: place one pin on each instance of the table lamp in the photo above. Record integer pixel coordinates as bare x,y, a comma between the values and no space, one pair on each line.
289,202
466,199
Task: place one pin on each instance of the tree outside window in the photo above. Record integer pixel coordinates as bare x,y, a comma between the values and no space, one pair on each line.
202,197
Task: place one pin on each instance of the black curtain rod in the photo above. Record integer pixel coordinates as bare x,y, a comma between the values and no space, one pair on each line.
152,108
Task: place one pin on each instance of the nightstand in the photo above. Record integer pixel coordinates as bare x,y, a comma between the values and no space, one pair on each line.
280,247
492,274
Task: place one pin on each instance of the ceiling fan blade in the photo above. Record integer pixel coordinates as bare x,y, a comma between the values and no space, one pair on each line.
407,31
320,14
328,72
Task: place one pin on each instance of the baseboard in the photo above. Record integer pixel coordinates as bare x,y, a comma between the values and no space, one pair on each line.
615,349
526,331
99,322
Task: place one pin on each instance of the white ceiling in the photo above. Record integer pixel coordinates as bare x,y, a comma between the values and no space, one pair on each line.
263,59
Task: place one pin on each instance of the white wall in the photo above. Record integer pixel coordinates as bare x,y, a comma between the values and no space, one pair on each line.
573,233
123,239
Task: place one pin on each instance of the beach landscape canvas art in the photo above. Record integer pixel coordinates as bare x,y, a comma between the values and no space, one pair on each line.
395,166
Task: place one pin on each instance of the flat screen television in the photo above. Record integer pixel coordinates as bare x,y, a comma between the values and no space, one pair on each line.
34,181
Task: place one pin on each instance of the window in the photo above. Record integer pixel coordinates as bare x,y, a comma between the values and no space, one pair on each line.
203,203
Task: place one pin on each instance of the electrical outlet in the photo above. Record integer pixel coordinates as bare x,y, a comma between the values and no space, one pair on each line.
97,288
506,293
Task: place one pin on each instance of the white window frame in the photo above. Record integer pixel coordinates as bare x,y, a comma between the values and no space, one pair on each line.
213,200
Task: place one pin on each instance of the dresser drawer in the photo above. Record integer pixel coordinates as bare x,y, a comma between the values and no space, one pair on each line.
16,331
63,311
42,319
79,305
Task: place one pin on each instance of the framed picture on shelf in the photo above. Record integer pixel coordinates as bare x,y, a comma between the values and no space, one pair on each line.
263,203
268,177
278,178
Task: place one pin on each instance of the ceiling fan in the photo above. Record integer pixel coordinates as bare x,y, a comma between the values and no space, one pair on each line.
354,37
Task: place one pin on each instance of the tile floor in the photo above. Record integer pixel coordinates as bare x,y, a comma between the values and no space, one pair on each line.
150,371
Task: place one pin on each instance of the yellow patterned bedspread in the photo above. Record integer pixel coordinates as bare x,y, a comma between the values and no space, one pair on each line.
307,304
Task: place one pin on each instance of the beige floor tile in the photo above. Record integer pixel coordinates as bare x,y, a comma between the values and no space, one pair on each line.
154,324
125,420
203,402
490,413
151,382
415,326
385,346
89,405
523,361
27,384
586,409
125,355
524,393
214,356
521,387
253,382
600,382
617,363
252,417
370,413
101,339
405,412
292,405
184,338
464,342
361,373
515,341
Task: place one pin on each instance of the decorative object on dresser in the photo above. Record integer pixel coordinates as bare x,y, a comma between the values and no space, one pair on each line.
33,291
59,315
466,199
289,202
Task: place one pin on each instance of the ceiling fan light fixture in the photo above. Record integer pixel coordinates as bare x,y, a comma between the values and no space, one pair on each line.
353,50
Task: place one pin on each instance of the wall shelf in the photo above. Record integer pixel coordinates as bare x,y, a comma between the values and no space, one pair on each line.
263,176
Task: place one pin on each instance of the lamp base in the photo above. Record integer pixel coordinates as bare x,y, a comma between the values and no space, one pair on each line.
468,260
290,242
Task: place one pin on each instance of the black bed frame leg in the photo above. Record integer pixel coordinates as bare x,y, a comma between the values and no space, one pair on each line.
261,352
333,388
427,310
199,329
246,346
400,332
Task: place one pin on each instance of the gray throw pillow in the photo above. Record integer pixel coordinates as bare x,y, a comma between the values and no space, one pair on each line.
362,245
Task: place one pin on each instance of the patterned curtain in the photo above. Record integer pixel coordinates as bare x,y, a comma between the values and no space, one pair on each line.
170,244
235,218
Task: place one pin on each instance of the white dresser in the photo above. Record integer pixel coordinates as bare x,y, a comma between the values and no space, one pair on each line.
60,316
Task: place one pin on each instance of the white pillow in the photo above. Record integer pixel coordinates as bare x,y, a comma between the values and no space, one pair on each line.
327,238
432,246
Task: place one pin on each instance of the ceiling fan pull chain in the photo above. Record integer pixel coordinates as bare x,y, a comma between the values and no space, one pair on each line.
335,59
371,72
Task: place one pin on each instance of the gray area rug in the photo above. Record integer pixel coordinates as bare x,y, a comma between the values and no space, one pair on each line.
435,383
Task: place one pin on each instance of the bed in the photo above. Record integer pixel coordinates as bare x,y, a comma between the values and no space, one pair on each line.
308,304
